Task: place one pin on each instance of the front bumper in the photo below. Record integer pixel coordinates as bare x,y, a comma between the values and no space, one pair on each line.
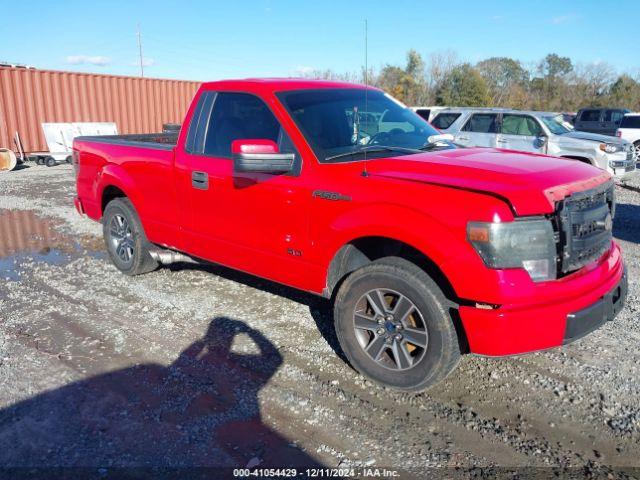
620,166
594,316
560,311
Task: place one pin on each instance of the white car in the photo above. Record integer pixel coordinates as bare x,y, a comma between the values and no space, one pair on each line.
630,130
427,112
537,132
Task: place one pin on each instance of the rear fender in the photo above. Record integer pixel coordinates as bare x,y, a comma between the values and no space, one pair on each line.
115,175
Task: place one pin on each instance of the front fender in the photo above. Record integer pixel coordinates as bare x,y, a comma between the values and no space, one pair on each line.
412,227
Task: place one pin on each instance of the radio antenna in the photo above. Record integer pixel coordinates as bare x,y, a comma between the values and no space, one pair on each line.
366,85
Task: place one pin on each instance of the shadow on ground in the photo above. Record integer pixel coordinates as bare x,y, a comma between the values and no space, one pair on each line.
626,225
320,308
202,410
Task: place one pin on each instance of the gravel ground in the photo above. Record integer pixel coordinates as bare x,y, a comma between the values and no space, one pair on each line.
198,365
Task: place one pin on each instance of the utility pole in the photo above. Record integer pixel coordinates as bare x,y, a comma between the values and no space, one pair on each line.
140,51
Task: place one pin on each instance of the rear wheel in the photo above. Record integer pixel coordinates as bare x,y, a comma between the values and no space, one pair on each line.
124,237
50,162
393,324
637,147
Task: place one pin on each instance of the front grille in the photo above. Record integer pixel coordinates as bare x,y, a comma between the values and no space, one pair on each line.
585,227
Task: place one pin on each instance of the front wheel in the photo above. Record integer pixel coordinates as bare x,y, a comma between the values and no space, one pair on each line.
394,326
125,240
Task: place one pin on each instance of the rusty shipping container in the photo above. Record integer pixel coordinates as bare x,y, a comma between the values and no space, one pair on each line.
30,97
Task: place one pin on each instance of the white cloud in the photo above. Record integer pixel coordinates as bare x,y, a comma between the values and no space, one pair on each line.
88,60
561,19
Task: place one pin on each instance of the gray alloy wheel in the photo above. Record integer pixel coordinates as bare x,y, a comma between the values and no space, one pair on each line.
390,329
121,238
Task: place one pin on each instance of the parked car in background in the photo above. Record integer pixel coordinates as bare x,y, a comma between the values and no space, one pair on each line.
569,118
630,130
604,121
538,132
427,112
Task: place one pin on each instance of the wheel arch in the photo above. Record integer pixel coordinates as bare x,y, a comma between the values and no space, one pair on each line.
116,183
363,250
579,158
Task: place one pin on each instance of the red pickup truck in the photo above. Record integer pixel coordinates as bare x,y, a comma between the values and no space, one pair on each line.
426,249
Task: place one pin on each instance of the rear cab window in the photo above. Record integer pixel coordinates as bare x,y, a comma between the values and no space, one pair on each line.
445,120
613,116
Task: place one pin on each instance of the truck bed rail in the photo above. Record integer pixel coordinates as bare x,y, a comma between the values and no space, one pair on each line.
160,141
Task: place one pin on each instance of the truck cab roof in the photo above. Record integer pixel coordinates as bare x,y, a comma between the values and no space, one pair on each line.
279,84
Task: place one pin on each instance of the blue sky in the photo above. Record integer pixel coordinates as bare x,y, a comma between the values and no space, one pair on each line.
208,40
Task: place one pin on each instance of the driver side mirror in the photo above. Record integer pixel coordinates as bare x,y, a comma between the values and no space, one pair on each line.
260,156
540,140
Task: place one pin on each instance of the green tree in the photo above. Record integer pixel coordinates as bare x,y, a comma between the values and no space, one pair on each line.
463,87
406,84
625,92
505,78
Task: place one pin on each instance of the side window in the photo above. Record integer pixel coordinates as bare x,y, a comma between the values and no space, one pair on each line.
444,120
613,116
236,116
520,125
590,116
424,113
198,123
481,123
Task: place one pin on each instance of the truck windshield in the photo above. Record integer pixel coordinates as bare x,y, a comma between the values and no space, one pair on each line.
556,124
343,125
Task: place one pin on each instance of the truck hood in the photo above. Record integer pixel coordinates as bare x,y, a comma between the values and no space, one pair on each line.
594,137
529,183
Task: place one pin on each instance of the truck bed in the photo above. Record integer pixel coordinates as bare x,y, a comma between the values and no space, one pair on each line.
160,141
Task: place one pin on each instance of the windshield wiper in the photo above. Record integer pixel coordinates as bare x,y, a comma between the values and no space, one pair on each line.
373,149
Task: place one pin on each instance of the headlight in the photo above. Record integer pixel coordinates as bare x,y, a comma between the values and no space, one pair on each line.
611,148
527,244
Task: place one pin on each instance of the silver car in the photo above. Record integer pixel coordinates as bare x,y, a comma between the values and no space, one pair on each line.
538,132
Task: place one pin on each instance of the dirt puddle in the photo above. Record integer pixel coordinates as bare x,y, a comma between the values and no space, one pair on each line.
27,236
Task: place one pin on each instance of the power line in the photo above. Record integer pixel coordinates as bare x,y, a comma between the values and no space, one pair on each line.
140,50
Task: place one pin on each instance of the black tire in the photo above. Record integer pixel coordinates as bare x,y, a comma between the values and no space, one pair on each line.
637,147
430,364
39,161
128,249
50,162
69,159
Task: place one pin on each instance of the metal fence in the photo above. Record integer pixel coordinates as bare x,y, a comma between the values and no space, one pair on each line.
29,97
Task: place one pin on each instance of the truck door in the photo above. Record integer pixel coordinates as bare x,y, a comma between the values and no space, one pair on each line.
611,121
254,222
520,132
480,131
